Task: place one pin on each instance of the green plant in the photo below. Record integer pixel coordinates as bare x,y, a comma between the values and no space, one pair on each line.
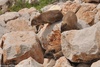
20,4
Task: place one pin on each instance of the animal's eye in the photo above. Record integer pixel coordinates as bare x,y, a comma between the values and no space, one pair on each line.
33,20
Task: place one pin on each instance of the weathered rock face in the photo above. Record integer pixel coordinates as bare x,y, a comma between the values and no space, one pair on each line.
3,5
50,37
96,64
97,17
55,7
3,30
81,24
62,62
49,62
91,1
44,9
9,16
20,24
78,1
81,45
26,10
20,45
1,52
30,62
70,6
87,13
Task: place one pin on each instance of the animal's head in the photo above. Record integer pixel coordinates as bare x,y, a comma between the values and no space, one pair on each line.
34,22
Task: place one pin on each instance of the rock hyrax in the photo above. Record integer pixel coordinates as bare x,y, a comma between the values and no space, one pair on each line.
69,21
47,17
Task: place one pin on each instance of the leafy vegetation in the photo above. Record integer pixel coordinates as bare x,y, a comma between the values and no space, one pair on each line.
19,5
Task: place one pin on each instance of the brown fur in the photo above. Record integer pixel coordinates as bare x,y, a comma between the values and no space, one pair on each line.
69,21
47,17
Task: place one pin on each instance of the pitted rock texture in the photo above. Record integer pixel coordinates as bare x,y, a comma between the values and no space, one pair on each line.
81,45
20,45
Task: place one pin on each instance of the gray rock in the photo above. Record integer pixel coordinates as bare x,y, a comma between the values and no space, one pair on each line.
20,45
96,64
81,45
30,62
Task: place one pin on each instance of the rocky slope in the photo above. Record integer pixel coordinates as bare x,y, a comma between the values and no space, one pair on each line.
23,45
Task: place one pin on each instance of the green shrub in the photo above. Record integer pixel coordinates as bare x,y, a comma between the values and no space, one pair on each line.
19,5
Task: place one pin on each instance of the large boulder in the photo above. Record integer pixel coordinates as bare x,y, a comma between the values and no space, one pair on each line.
3,30
87,13
50,37
97,17
81,45
9,16
26,13
96,64
20,45
49,62
62,62
20,24
30,62
81,24
70,6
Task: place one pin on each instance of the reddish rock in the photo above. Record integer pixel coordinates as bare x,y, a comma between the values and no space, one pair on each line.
20,45
87,13
70,6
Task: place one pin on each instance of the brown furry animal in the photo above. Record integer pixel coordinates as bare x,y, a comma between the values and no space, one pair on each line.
47,17
69,21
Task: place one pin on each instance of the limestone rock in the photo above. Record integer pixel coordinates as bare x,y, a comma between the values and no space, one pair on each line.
2,2
44,9
26,10
62,62
1,52
98,7
50,37
91,1
97,17
55,7
78,1
70,6
81,24
87,13
81,45
20,24
30,62
96,64
51,63
20,45
46,61
9,16
3,30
